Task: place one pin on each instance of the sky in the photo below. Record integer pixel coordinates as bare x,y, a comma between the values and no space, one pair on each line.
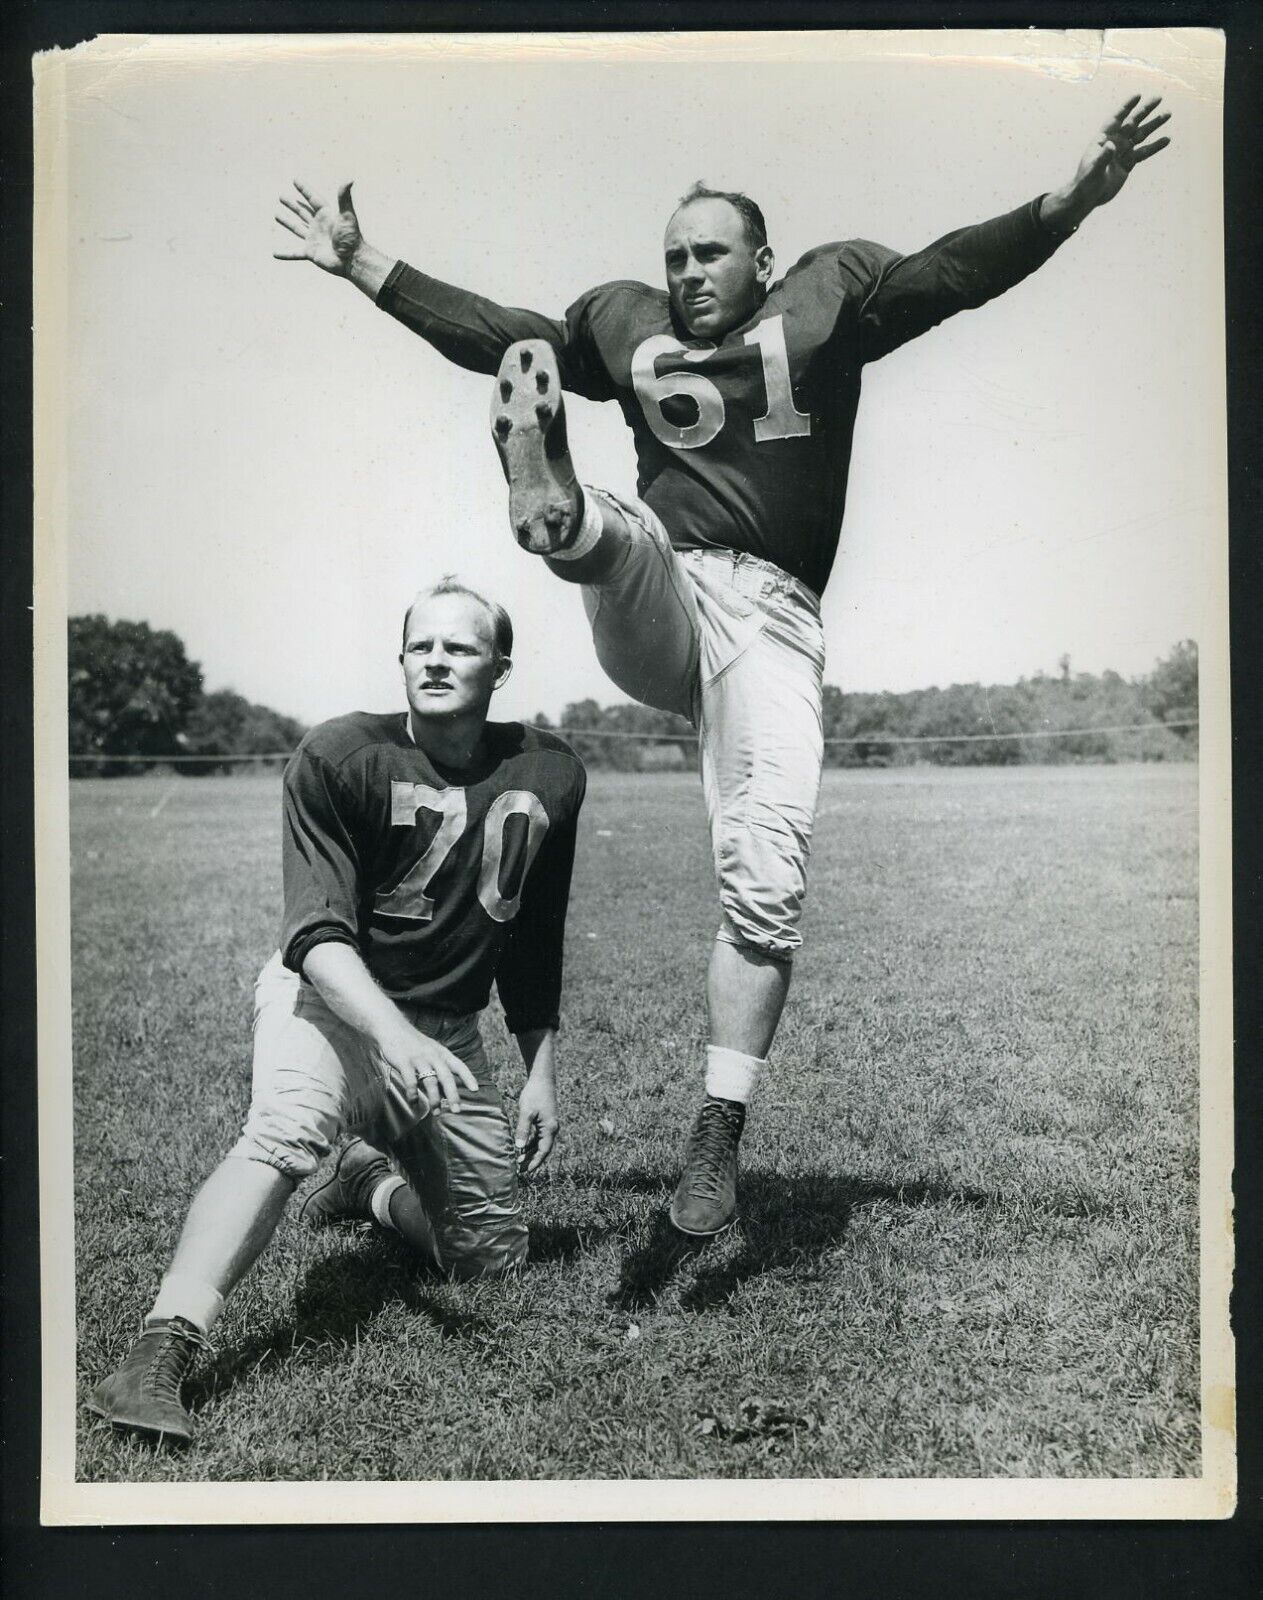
258,459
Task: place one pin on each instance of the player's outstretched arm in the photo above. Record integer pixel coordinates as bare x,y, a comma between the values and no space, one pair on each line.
537,1119
415,1060
903,297
1123,143
467,328
329,236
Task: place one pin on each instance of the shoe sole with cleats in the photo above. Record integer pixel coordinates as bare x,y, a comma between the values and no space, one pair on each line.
528,425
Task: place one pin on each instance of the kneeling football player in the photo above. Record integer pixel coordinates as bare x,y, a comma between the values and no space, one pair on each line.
425,854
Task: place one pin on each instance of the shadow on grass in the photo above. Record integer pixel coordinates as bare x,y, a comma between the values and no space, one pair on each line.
562,1241
336,1300
784,1222
340,1295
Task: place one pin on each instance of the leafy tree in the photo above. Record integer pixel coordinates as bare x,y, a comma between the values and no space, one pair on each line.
624,754
224,723
1170,691
990,715
131,690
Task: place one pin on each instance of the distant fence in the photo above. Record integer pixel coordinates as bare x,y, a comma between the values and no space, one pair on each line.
873,744
899,738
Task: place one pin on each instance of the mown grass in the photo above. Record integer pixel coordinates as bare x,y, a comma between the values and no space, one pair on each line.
968,1243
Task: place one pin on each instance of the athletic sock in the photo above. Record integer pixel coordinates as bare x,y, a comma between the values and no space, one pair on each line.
589,532
183,1296
410,1221
730,1075
379,1201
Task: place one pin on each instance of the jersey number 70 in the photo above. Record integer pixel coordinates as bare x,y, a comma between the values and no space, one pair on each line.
781,420
408,899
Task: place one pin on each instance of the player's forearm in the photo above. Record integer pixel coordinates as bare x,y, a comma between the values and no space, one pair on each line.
1063,210
369,268
467,328
538,1047
350,991
957,273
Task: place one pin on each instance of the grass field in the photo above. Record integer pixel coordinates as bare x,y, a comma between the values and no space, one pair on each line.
968,1244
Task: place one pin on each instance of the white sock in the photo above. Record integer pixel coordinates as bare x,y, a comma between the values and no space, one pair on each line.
181,1296
380,1201
588,534
730,1075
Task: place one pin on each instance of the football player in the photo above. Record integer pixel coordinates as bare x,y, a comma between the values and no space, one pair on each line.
425,854
704,593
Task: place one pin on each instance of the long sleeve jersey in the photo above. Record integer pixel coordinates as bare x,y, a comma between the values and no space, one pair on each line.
744,444
442,882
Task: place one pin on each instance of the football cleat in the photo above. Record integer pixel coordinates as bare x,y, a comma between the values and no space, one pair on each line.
705,1202
528,424
346,1195
143,1395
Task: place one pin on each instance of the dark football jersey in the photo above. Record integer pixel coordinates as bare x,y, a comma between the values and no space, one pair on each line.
441,881
744,444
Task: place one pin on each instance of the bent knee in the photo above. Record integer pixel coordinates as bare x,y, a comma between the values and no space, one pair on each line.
762,885
484,1252
774,941
295,1146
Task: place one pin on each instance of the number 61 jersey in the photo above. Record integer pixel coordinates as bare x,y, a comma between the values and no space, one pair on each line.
442,881
743,444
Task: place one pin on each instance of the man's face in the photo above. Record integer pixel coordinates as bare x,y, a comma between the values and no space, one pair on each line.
715,276
449,661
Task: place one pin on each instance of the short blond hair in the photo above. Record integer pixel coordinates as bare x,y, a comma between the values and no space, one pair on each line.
501,622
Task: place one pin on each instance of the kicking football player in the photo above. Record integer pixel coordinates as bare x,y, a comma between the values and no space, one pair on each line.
704,594
424,853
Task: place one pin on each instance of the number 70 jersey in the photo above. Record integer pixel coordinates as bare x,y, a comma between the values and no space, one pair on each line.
442,881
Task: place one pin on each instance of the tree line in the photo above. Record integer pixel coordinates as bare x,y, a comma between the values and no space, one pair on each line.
134,693
1065,717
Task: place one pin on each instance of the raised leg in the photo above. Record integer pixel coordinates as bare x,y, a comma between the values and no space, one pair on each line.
528,424
586,537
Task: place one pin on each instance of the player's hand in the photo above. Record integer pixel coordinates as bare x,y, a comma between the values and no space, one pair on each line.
328,235
425,1068
1122,144
537,1123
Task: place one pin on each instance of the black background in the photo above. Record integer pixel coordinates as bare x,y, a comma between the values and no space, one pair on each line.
1066,1560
